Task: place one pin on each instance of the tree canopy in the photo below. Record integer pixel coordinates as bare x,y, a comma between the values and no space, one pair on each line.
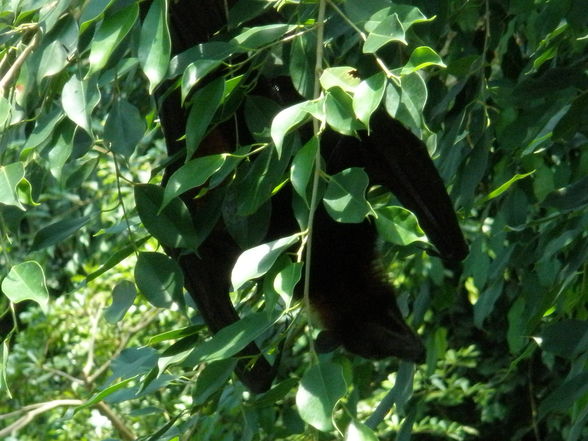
101,338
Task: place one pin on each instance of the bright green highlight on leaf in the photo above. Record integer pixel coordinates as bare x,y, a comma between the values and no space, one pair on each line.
368,96
155,44
191,175
110,34
322,386
345,196
497,192
420,58
26,281
257,261
10,177
389,29
340,76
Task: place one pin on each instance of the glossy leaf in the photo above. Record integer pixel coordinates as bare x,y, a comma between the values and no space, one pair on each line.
10,176
26,281
155,43
286,121
368,96
172,225
258,36
192,174
344,77
202,109
58,232
302,168
78,99
420,58
53,60
230,340
339,112
211,379
321,388
399,226
255,262
344,198
389,29
124,128
110,34
159,279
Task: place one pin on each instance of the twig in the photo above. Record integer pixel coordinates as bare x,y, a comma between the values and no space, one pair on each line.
13,70
117,423
37,410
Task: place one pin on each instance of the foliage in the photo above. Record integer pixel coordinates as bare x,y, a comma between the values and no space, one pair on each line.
496,89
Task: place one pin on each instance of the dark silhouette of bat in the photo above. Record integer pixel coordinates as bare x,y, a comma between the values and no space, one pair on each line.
357,308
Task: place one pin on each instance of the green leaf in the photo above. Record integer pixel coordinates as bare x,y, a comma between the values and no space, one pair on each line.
155,44
368,96
58,232
345,196
43,128
253,38
389,29
302,169
159,279
339,112
357,431
302,64
257,261
110,34
344,77
230,340
173,225
133,361
78,99
104,393
321,387
420,58
124,128
286,280
202,109
26,281
192,174
197,62
10,177
399,226
286,121
211,379
504,187
53,61
412,101
123,297
93,10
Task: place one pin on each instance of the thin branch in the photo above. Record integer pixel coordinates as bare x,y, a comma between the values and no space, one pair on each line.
38,410
117,423
13,71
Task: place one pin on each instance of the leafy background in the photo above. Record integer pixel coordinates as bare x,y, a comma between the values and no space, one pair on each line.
497,89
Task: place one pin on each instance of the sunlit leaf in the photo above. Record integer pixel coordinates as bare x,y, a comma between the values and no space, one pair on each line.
10,176
420,58
321,387
26,281
389,29
344,198
109,35
368,95
155,43
124,128
257,261
78,99
344,77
